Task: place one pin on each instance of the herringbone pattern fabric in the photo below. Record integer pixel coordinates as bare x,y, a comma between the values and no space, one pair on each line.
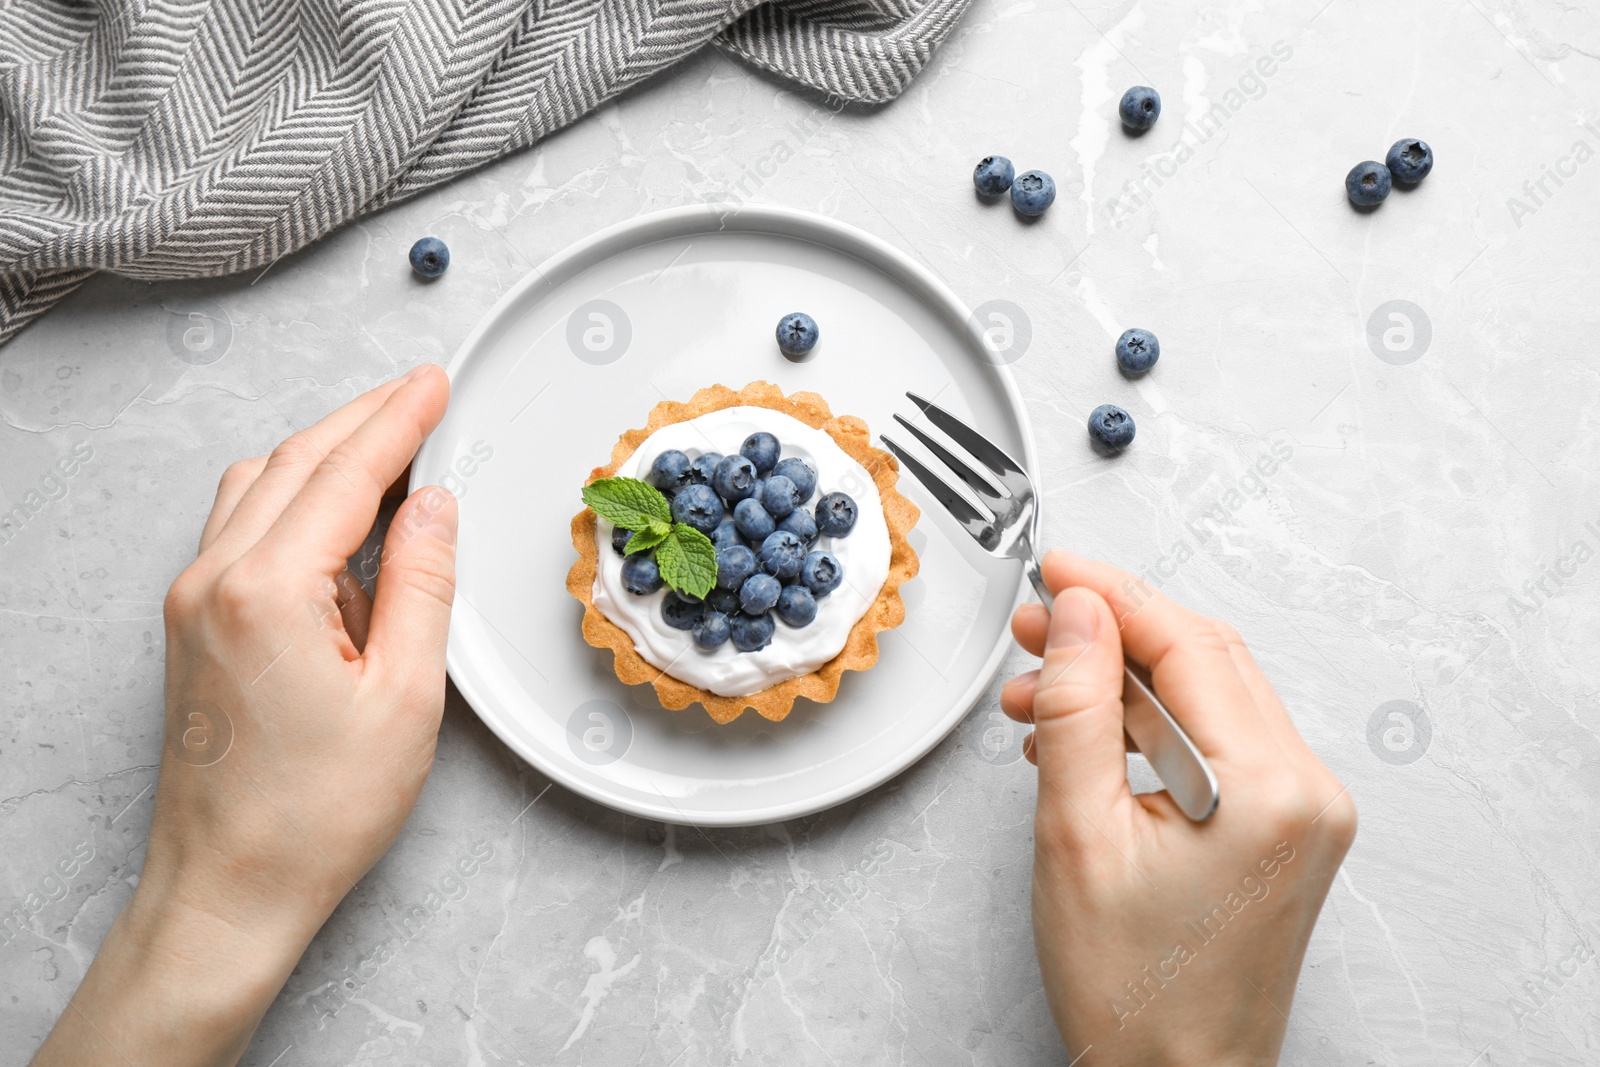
188,138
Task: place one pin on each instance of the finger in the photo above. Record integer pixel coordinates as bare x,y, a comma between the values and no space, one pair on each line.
1016,696
1186,653
291,463
416,587
1029,625
333,512
1077,708
1028,752
238,478
1275,718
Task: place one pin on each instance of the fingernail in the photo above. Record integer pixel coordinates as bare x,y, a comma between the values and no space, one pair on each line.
442,529
415,372
1076,620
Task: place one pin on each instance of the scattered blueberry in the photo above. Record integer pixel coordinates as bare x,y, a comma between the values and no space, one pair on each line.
619,540
752,519
640,575
669,472
1138,350
1111,427
796,605
797,334
726,533
1409,161
782,554
801,523
822,573
800,473
759,593
1032,192
752,633
836,514
679,612
712,631
781,496
697,506
723,600
703,467
993,175
735,563
1140,107
762,449
430,257
1367,184
734,478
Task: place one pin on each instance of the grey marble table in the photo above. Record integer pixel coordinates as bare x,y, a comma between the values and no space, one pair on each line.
1365,445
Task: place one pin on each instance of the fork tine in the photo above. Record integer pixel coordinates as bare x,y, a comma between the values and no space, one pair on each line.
979,484
984,450
979,526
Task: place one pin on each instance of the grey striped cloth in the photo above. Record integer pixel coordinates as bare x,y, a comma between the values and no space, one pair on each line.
188,138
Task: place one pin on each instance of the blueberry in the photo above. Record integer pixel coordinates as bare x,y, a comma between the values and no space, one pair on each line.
430,257
782,554
697,506
801,523
679,612
751,633
1367,184
669,471
734,478
822,573
762,449
781,496
800,473
1409,161
735,563
619,540
797,334
703,467
1111,427
993,175
752,519
712,631
1140,107
1032,192
759,593
836,514
640,575
1138,350
796,605
726,532
758,490
723,600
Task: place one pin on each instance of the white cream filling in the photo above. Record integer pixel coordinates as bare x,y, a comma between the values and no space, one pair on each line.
863,554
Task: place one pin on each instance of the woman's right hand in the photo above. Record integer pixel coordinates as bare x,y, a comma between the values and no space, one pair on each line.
1160,940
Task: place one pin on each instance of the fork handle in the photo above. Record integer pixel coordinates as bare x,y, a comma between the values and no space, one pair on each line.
1189,779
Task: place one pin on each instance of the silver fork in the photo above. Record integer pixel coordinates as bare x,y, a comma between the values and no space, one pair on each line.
1010,532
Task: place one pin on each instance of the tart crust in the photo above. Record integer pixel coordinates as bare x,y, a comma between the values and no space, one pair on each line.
860,651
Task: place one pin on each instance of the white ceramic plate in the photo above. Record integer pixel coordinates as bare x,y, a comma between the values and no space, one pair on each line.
578,352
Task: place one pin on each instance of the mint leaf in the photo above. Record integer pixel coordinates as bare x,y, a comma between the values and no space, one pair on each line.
688,561
644,540
628,503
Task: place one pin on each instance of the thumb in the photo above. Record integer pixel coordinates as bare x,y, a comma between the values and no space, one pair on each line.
1077,707
416,586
